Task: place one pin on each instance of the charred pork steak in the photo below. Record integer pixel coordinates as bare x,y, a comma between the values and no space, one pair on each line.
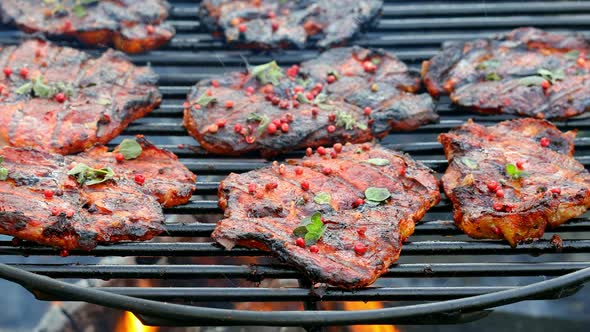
131,26
340,215
344,95
514,179
527,72
283,24
77,202
59,99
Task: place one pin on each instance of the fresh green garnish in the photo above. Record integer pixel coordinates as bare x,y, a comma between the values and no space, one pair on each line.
262,119
78,8
572,55
42,90
104,101
311,228
377,195
346,120
493,77
376,61
322,198
89,176
320,98
267,73
488,64
205,100
469,163
303,99
3,170
531,81
551,76
515,173
130,148
377,161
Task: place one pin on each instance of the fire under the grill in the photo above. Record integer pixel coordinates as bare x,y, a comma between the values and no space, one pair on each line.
441,278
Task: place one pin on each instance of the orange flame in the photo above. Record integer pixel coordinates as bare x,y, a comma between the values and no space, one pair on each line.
130,323
369,328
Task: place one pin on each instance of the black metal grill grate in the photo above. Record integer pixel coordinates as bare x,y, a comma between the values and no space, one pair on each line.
437,250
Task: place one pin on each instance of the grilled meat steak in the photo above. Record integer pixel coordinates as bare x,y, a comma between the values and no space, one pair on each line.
40,202
514,179
283,24
344,95
132,26
58,99
526,72
361,239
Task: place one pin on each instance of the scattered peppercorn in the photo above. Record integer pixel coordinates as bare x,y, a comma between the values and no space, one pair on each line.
358,202
7,71
242,28
334,154
556,191
361,231
331,128
271,128
327,170
314,112
285,127
139,179
24,72
369,67
238,128
500,193
270,186
314,249
492,185
215,83
374,87
221,123
229,104
545,142
360,249
274,26
545,84
60,97
300,242
48,193
367,111
332,117
308,152
70,213
150,29
520,164
331,79
338,147
305,185
252,188
55,211
298,170
321,150
498,206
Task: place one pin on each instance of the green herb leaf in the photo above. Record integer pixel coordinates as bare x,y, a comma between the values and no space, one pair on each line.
376,61
345,120
311,228
25,88
572,55
488,64
551,76
469,163
493,77
3,170
41,89
79,10
377,194
130,148
267,73
90,176
377,161
104,101
531,80
322,198
303,99
321,98
205,100
514,172
263,119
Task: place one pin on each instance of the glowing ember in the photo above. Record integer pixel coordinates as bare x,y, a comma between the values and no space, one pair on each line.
368,328
130,323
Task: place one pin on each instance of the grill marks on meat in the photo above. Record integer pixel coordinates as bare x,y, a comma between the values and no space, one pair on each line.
107,94
336,112
283,24
486,75
132,26
112,211
555,189
265,219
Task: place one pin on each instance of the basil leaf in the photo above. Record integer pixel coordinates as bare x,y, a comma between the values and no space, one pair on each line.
263,119
488,64
303,99
3,173
130,148
322,198
321,98
104,101
205,100
41,89
514,172
311,228
267,73
25,88
377,194
550,75
300,231
572,55
79,10
89,176
531,80
469,163
493,77
377,161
